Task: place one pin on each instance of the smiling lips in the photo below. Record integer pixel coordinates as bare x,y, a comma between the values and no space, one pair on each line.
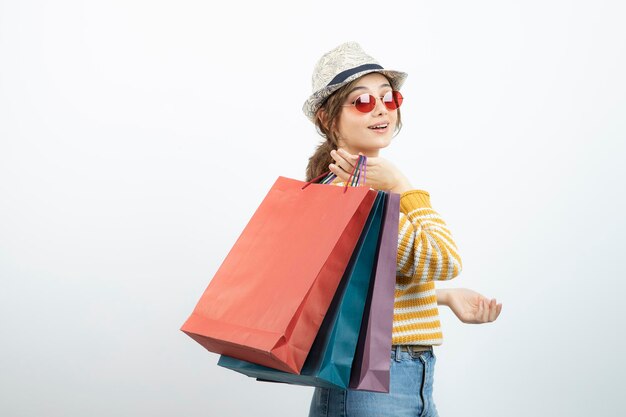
379,126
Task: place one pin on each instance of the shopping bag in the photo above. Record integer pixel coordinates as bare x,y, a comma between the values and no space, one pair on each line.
370,369
268,298
330,359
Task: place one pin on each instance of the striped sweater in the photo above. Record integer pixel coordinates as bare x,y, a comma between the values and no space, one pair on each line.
426,253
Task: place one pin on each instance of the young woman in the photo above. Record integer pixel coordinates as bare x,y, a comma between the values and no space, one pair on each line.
355,107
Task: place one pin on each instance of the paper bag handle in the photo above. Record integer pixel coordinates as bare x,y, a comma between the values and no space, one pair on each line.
356,179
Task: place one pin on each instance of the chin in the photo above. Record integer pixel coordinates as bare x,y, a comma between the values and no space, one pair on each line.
371,144
381,143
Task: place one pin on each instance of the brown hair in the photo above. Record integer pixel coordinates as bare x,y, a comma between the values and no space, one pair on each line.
326,125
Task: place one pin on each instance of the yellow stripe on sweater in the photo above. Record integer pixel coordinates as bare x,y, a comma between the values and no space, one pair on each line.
430,326
429,313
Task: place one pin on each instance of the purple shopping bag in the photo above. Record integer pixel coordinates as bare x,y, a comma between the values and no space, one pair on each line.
370,368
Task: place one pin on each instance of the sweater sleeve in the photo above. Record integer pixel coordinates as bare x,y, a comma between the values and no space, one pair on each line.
426,251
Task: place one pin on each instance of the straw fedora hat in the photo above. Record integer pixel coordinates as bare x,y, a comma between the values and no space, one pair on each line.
338,67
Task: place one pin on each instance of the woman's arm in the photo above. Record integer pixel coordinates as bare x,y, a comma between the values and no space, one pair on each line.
426,250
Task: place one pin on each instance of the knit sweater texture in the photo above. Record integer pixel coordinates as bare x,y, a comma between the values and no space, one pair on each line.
426,253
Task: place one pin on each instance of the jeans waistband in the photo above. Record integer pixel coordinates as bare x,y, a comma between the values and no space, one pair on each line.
411,348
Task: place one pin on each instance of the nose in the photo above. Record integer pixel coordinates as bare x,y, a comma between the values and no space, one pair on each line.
380,108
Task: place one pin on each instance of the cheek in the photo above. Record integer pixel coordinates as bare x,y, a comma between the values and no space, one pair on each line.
347,124
394,118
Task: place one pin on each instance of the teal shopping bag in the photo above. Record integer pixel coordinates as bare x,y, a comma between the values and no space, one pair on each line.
330,359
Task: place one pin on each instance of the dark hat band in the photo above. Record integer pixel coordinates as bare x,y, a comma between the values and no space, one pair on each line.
342,76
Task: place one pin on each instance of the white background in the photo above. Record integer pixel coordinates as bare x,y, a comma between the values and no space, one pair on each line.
138,137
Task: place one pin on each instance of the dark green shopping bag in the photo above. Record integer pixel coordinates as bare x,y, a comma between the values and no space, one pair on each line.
330,359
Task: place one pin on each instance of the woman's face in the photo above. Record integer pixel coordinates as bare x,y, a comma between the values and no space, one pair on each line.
367,132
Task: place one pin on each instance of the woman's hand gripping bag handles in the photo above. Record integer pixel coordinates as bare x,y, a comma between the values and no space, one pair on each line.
268,298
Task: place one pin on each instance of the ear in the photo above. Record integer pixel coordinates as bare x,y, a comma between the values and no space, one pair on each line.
322,116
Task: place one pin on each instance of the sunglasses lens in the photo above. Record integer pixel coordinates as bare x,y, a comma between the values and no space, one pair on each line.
365,103
393,100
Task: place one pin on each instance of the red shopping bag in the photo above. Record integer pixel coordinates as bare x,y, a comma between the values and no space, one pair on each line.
267,300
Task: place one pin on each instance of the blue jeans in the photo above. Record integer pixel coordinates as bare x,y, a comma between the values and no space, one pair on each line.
410,394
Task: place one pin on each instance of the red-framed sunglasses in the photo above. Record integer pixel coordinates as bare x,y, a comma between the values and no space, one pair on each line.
365,103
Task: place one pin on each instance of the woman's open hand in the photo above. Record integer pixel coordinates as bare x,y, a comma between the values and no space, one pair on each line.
470,306
380,173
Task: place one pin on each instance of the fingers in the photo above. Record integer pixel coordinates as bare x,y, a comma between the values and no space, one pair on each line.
491,310
344,163
484,317
340,173
488,310
481,309
348,156
344,160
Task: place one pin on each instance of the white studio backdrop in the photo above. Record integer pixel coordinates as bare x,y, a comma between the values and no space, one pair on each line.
138,137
